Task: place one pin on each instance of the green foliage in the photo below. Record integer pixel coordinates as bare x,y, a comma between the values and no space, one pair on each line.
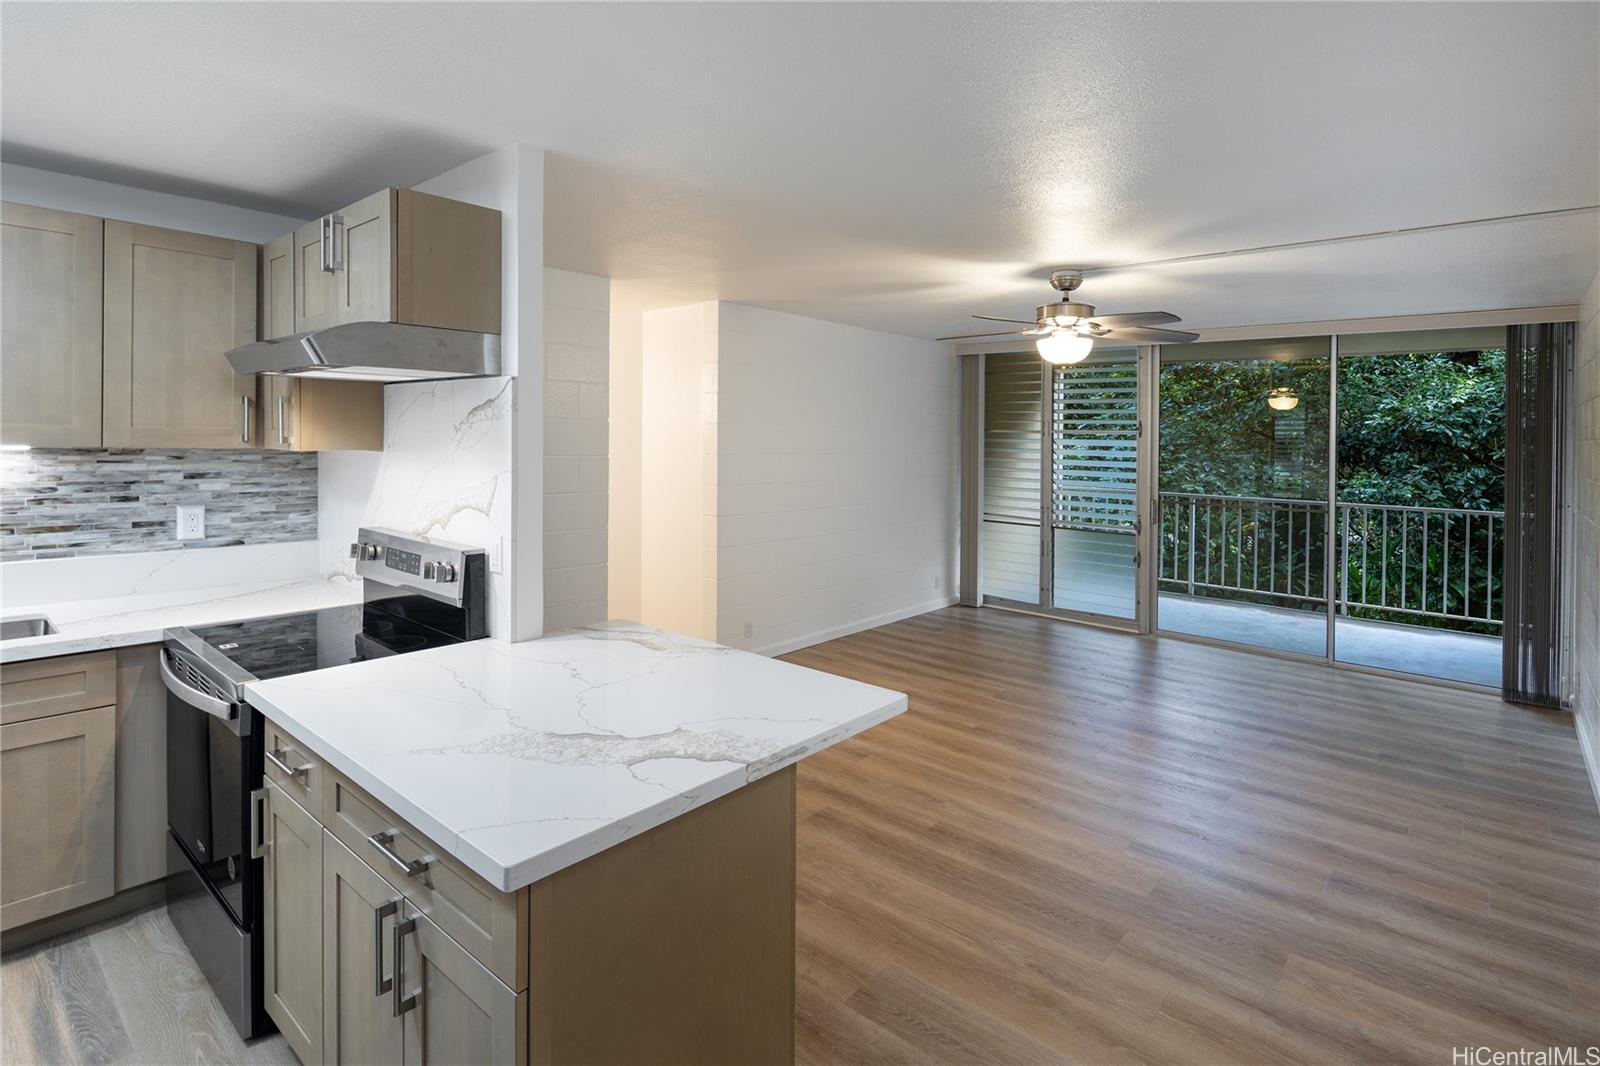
1425,429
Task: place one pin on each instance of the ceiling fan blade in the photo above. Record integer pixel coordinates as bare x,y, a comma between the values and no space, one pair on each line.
1018,321
1137,318
974,336
1145,335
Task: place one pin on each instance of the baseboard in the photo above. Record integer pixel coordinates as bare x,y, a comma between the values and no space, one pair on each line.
1590,745
784,647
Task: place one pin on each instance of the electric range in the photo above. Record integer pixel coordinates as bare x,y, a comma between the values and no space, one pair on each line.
417,593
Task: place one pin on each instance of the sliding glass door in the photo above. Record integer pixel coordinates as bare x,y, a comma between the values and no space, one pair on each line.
1243,528
1061,514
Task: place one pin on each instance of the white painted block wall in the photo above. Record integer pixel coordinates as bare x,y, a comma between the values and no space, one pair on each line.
1586,537
836,485
577,311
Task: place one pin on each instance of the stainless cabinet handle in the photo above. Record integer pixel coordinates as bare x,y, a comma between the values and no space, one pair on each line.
258,843
244,426
409,867
322,243
402,1003
335,263
284,768
379,913
283,420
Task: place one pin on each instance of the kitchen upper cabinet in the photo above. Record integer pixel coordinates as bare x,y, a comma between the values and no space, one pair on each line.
364,258
174,302
314,282
57,813
291,877
50,308
277,288
399,256
359,912
320,414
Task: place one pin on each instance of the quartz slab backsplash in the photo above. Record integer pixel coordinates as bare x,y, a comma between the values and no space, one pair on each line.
63,503
445,472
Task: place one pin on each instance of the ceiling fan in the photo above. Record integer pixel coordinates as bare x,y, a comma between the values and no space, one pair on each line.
1068,329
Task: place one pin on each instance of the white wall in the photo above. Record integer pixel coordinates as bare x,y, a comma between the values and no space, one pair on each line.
795,479
577,416
65,192
626,400
463,460
836,478
1586,539
677,497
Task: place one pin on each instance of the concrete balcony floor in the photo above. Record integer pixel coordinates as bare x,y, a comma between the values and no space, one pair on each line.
1470,657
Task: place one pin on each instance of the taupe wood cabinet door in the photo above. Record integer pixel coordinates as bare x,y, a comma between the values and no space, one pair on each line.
358,1021
57,813
174,304
312,276
280,412
50,308
277,288
292,925
462,1012
364,250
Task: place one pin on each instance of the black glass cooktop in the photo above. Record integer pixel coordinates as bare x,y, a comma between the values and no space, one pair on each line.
313,640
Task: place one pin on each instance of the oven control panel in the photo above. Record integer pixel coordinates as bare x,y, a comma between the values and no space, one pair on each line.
402,560
435,568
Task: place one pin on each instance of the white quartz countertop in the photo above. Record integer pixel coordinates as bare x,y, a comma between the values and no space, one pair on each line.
120,621
522,759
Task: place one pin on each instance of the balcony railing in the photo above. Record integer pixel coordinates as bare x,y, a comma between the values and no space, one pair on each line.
1421,563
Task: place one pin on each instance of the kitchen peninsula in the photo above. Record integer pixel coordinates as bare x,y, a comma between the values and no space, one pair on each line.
579,848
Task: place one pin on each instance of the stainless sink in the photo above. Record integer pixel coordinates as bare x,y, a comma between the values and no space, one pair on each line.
27,626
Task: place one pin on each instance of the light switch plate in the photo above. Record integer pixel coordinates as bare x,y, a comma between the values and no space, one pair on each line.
191,521
497,550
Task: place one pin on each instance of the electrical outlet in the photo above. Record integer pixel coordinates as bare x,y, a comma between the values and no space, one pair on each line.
497,549
749,630
191,521
938,582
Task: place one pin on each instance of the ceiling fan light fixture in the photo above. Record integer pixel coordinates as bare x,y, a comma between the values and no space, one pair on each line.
1064,348
1283,398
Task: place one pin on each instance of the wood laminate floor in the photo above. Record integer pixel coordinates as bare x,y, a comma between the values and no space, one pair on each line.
1083,846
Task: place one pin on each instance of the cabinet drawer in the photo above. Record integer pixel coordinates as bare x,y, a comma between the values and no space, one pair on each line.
490,924
290,765
43,687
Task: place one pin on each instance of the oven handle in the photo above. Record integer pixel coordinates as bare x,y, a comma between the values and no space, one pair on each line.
193,696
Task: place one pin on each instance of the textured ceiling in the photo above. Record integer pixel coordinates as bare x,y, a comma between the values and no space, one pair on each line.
892,165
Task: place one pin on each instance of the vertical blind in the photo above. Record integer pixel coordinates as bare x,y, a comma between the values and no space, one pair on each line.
1538,365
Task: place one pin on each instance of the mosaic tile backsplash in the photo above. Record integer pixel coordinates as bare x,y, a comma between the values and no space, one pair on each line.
57,503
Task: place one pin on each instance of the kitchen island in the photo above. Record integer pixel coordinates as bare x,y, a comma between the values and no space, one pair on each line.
579,848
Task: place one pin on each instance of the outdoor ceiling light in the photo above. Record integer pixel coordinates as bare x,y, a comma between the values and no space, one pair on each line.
1282,398
1064,347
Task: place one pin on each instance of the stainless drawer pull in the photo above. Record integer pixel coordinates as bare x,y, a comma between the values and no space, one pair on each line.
244,429
409,867
284,768
402,1003
387,910
258,840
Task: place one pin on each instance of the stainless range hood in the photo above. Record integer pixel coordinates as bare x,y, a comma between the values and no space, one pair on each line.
374,351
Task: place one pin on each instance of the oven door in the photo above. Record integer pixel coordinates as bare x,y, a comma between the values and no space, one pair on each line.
212,765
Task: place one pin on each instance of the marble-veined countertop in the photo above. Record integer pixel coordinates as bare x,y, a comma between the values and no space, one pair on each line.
522,759
121,621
